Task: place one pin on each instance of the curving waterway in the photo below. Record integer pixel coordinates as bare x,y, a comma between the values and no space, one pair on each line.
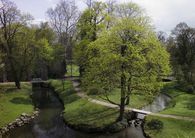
50,124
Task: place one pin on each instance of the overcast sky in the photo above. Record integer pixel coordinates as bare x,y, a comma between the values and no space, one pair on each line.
165,14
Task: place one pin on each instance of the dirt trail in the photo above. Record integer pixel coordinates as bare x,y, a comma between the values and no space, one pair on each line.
83,95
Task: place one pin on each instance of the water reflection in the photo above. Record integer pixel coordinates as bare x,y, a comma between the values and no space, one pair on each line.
159,104
50,124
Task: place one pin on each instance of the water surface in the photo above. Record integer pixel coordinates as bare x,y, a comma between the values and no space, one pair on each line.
50,124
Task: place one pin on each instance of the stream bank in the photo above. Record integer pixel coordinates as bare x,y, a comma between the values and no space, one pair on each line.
50,122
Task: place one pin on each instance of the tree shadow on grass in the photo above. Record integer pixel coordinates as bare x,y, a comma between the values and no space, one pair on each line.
191,103
10,90
21,100
71,99
103,116
94,115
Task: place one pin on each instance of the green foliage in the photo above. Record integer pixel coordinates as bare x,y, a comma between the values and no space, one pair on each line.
74,68
182,103
89,25
181,46
45,32
155,124
127,55
93,91
145,60
81,113
44,50
137,100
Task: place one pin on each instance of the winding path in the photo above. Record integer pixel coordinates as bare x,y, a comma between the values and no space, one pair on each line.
83,95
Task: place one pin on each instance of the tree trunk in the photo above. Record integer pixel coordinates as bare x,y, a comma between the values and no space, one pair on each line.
14,73
17,84
123,85
122,109
4,74
71,68
81,70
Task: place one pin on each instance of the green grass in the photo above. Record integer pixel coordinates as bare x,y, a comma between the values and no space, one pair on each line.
75,70
137,100
173,128
81,112
182,104
14,102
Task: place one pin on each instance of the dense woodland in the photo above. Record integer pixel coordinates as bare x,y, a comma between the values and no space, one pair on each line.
114,45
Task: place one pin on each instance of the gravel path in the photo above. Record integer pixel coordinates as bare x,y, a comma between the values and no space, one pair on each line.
83,95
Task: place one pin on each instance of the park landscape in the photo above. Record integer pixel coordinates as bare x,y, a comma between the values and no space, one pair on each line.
103,71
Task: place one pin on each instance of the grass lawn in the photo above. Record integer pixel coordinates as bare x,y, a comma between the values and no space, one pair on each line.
14,102
137,100
80,112
75,70
183,104
173,128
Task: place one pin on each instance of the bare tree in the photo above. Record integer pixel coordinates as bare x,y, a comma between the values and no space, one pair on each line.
110,8
63,19
11,20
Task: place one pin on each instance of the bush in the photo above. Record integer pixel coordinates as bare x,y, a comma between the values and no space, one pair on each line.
190,89
93,91
171,104
155,124
184,86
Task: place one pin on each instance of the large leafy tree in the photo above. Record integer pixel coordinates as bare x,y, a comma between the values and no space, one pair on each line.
127,56
91,22
181,45
43,57
11,21
24,52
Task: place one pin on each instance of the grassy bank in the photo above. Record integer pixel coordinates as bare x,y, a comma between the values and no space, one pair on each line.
182,104
81,113
75,70
14,102
173,128
137,100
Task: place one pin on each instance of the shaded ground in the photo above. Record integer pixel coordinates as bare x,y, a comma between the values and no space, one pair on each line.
81,112
14,102
96,101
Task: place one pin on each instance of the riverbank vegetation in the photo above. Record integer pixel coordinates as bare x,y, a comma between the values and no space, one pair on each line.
81,113
14,102
172,128
182,104
111,46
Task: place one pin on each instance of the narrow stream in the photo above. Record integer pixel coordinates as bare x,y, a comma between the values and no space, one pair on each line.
50,124
159,103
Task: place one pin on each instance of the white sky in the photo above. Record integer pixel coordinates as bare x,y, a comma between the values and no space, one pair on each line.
165,14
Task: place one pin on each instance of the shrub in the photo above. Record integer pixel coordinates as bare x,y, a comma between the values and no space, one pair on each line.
184,86
171,104
155,124
190,89
93,91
